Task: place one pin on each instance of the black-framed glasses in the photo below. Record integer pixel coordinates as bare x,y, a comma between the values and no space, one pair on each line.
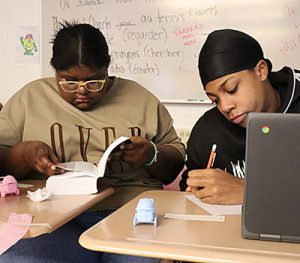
74,86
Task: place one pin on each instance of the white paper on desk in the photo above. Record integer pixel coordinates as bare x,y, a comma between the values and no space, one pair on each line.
216,210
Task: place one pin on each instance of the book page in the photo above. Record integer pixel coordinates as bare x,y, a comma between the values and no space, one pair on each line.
81,177
102,164
74,169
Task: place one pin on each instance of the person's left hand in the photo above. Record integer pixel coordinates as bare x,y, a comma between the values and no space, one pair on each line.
216,186
137,153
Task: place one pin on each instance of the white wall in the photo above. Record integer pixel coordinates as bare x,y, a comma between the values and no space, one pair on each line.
185,116
14,74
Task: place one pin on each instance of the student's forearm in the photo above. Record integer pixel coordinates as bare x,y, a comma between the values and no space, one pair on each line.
169,164
12,161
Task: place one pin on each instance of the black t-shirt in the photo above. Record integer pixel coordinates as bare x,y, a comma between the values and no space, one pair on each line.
214,128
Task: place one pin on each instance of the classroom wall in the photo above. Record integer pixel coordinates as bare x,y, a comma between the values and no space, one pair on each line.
157,42
15,73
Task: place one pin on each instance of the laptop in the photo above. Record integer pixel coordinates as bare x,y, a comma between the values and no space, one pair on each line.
271,208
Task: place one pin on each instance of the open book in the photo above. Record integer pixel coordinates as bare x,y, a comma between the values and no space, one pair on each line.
81,177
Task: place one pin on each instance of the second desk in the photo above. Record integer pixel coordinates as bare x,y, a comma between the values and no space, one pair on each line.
196,241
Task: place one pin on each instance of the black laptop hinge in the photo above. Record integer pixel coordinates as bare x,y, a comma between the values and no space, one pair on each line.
269,237
295,239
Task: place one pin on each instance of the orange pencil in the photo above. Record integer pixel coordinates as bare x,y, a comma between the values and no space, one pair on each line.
210,163
212,156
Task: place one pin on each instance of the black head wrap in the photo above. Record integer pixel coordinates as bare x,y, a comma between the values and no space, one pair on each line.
227,51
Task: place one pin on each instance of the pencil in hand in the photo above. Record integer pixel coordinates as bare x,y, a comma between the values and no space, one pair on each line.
210,163
212,156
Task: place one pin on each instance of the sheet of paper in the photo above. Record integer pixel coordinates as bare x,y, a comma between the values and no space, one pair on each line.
216,209
11,232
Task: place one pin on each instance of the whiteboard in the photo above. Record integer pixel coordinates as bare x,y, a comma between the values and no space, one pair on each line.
157,42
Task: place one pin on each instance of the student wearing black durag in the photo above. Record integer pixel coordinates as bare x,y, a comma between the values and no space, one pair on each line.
238,79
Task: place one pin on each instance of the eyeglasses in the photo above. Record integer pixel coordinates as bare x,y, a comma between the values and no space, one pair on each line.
74,86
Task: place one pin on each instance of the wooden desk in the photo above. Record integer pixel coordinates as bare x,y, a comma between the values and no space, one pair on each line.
195,241
56,211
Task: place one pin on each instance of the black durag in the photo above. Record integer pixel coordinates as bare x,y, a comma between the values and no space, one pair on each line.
228,51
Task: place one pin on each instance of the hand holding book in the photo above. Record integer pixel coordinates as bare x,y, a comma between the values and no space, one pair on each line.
81,177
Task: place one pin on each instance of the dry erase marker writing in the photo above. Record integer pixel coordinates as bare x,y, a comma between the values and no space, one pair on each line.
212,156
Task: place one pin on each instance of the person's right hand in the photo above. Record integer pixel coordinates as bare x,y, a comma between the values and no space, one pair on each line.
215,186
40,157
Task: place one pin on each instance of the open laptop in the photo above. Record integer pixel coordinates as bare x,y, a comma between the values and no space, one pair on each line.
271,209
